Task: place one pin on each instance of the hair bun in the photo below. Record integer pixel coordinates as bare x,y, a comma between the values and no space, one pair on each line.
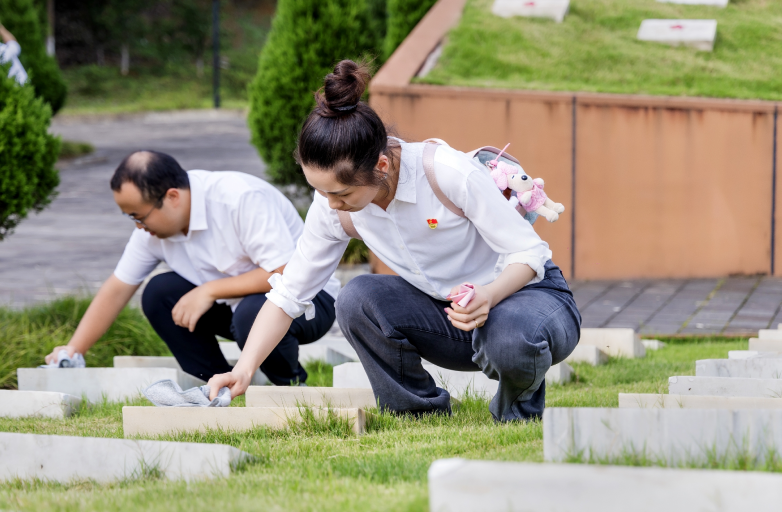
342,89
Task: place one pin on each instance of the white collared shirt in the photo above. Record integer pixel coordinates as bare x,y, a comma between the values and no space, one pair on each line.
237,223
9,52
473,249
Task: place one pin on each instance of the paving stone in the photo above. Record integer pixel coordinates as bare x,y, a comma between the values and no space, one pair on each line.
294,396
95,383
352,375
770,334
552,9
587,354
660,401
259,379
671,436
724,386
652,344
751,354
699,34
157,421
68,459
458,485
614,342
46,404
755,368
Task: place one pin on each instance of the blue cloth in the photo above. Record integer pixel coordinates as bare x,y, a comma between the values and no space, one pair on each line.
392,325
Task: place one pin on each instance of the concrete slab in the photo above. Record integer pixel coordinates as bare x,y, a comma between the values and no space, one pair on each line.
659,401
652,344
157,421
338,343
259,379
458,384
231,351
68,459
314,352
698,34
755,368
725,386
294,396
669,436
615,342
95,383
587,354
458,485
767,345
713,3
44,404
770,334
751,354
551,9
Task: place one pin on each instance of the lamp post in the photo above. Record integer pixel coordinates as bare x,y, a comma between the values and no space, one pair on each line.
216,50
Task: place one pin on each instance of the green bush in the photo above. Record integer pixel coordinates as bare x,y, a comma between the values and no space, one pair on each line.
27,153
21,19
403,16
27,336
308,37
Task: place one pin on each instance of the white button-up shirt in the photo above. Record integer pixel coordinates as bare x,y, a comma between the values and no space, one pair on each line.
9,52
237,223
474,249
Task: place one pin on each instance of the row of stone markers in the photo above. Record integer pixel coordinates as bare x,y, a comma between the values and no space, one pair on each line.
730,411
699,34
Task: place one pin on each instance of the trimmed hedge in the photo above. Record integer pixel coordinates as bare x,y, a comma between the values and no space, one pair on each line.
27,153
403,16
20,17
307,39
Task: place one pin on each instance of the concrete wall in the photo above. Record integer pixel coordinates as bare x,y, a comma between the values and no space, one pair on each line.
654,186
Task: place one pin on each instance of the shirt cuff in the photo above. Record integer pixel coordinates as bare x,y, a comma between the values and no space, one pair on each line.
282,298
127,278
536,263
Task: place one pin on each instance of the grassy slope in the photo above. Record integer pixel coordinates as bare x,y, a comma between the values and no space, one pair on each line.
595,49
321,467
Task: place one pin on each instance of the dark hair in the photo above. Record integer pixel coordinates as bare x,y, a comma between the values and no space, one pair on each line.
343,134
152,172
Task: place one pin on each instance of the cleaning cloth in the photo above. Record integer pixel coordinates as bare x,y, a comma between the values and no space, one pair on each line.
64,361
167,393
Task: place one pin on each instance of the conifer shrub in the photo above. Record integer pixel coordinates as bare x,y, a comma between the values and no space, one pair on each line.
28,153
21,18
308,37
403,16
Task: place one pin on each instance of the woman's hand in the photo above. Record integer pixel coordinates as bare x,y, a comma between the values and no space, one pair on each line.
191,307
236,381
475,313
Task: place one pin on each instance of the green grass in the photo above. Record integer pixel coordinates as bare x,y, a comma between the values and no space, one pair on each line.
319,465
595,49
73,149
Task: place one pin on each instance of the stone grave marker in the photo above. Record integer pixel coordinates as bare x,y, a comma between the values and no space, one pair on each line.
587,354
156,421
713,3
551,9
751,354
672,436
770,334
699,34
44,404
458,485
295,396
259,379
67,459
652,344
616,342
767,345
660,401
725,386
755,368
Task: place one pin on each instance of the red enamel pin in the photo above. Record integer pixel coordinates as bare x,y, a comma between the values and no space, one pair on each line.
432,223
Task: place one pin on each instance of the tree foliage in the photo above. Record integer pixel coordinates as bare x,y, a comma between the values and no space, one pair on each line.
21,18
27,153
307,38
403,16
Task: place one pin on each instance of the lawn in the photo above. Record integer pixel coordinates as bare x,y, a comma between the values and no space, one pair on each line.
595,49
321,466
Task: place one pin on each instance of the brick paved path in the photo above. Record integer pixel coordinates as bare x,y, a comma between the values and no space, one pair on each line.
75,244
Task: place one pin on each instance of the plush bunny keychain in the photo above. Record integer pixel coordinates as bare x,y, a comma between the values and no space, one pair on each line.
529,192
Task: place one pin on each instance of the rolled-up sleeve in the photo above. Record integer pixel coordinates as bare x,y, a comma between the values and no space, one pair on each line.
315,259
498,223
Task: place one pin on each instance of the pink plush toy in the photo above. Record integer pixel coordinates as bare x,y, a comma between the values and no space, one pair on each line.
529,193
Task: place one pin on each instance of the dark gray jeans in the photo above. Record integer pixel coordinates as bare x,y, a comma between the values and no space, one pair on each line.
392,325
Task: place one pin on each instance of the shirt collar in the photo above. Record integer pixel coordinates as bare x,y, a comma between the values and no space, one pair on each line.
410,161
197,204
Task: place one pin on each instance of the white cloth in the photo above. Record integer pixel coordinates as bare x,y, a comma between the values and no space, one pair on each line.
237,223
473,249
9,52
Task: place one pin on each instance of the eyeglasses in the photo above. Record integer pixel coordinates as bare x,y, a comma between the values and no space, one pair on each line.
140,220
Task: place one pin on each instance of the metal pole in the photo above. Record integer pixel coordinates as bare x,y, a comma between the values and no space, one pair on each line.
216,50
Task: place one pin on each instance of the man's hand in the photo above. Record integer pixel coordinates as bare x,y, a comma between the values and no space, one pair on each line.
192,306
475,314
237,381
52,358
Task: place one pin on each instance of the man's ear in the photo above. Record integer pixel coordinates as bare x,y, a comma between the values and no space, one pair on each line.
174,195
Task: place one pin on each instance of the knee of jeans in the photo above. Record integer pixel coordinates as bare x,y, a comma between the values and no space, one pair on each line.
154,292
514,358
352,300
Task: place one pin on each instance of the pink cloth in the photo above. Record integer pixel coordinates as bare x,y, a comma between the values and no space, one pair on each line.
537,198
464,295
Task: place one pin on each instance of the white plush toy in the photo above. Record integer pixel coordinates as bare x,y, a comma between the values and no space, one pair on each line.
529,193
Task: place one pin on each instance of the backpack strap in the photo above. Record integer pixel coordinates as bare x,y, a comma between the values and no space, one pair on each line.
347,224
428,161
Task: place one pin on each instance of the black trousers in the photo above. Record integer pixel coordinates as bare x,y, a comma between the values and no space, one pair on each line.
198,352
